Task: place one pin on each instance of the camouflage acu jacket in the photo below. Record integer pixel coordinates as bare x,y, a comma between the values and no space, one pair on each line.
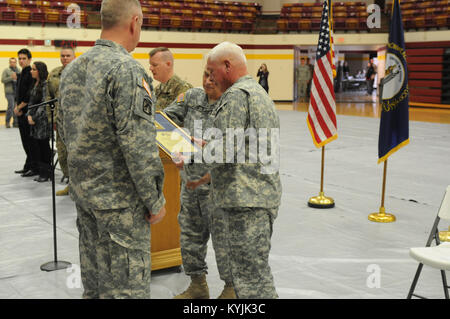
246,105
188,108
166,93
107,118
53,86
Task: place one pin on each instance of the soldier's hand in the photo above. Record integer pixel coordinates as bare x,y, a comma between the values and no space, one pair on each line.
178,160
155,219
194,184
199,142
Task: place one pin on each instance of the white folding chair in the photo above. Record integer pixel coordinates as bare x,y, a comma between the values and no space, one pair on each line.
437,256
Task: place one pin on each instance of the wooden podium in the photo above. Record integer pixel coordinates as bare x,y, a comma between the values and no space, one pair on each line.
165,236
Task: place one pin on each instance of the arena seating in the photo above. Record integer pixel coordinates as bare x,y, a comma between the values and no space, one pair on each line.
424,14
429,72
197,15
352,16
298,17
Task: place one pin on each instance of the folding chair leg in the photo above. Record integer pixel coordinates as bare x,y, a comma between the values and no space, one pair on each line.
414,283
444,282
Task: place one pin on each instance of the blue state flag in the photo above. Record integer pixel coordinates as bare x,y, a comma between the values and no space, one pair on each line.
394,122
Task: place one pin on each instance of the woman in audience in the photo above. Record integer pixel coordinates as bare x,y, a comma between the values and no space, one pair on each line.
40,129
263,75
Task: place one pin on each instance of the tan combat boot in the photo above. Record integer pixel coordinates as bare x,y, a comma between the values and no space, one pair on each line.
198,289
227,292
63,192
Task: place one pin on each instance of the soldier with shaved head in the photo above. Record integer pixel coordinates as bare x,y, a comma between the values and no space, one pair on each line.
106,118
171,85
246,194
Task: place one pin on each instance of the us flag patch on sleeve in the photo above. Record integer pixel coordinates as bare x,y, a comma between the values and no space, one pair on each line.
146,87
180,98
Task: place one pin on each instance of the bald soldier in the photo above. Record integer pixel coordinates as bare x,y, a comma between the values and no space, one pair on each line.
116,176
190,110
67,55
246,193
170,86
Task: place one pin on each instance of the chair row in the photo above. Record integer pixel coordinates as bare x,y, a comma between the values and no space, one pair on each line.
209,5
348,24
198,24
37,15
190,5
419,4
92,20
319,8
200,13
319,3
429,12
440,21
318,15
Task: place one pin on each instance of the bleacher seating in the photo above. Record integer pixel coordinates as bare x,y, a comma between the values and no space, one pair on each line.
424,14
428,65
352,16
196,15
307,16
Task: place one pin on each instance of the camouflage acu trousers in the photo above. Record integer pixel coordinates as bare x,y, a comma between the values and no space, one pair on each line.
195,219
302,87
114,253
247,233
62,154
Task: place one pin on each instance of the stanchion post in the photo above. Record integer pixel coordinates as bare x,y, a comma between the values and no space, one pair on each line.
55,264
321,201
382,216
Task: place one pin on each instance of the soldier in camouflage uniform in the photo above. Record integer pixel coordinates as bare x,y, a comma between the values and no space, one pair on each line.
196,206
170,86
303,75
67,55
116,175
248,194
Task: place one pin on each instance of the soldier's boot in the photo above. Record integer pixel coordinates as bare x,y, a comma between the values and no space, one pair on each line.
63,192
198,289
228,292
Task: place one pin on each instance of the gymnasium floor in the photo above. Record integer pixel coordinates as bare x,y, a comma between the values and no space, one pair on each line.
336,253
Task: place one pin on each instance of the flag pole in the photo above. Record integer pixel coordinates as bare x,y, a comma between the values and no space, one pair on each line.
382,216
321,201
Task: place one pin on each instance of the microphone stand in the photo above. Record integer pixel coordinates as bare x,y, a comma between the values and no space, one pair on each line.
55,264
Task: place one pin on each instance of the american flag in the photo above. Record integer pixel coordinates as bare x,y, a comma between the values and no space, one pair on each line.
322,106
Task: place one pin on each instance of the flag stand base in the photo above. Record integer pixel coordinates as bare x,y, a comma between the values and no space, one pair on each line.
55,265
321,201
444,235
382,217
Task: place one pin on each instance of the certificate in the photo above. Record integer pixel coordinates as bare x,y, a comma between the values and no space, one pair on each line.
171,138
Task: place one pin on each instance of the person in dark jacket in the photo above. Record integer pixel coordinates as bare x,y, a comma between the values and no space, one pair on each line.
263,75
370,76
24,86
38,118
